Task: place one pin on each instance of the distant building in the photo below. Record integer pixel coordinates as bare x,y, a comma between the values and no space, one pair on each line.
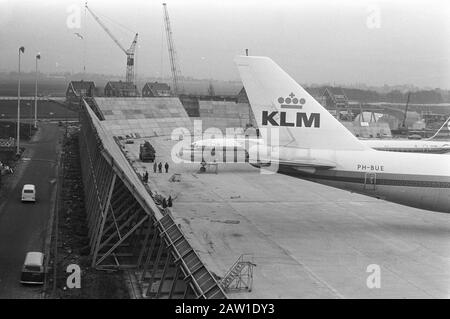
432,118
211,91
121,89
335,98
77,89
156,89
413,120
242,96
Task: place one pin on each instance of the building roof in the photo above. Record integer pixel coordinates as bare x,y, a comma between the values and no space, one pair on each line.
337,94
119,85
242,96
80,85
157,86
335,90
242,91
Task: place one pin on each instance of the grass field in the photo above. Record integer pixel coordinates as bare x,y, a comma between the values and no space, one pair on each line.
46,110
55,87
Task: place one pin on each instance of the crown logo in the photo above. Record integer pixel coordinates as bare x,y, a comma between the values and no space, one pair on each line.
291,102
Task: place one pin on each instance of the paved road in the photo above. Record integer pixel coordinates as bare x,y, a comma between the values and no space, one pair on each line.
23,226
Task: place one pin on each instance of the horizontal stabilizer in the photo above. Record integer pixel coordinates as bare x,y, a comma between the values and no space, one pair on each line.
302,164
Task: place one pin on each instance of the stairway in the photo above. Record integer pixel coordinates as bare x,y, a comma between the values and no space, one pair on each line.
239,276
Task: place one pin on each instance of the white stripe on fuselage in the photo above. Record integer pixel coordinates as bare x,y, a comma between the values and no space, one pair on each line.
384,145
409,145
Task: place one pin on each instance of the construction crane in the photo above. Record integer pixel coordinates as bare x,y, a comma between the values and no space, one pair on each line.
176,74
129,53
406,111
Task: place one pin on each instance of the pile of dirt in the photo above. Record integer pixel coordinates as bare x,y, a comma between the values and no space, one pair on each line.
72,236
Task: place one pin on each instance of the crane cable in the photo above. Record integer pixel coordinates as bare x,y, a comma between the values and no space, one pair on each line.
162,50
115,22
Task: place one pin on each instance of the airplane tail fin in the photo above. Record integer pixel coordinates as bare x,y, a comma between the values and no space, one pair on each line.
281,105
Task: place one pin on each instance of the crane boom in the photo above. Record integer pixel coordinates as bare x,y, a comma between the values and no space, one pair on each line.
406,110
133,44
104,27
129,53
176,74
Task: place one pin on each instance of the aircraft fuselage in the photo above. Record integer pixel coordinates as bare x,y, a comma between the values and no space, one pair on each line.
382,176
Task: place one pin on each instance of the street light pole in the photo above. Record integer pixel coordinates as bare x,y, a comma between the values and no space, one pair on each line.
38,56
21,50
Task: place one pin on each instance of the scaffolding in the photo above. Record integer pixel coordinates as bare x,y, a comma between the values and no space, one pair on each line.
240,276
128,231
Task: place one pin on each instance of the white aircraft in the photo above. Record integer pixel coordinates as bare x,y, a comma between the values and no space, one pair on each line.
219,150
311,144
416,146
242,145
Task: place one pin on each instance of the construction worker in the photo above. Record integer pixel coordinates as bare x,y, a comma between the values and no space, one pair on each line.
146,177
160,167
154,167
166,166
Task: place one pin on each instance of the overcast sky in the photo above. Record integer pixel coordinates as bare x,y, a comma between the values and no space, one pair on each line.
342,42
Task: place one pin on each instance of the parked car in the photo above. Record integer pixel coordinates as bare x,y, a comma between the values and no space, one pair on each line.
33,269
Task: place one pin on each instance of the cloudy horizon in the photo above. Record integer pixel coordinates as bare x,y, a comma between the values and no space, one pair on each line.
342,42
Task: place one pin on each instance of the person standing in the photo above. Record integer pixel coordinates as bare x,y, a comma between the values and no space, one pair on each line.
166,166
154,167
160,167
169,201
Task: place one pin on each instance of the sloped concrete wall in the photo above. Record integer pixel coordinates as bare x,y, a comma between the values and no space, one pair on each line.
223,114
143,117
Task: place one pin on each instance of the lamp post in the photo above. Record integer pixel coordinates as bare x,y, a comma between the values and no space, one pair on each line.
208,66
38,57
21,50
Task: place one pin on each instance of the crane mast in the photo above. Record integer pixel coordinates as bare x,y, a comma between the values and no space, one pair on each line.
129,53
406,110
174,68
130,60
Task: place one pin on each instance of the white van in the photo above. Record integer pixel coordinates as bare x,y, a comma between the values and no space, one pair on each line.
28,193
33,269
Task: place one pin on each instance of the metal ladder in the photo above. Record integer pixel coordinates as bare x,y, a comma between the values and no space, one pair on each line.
240,276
